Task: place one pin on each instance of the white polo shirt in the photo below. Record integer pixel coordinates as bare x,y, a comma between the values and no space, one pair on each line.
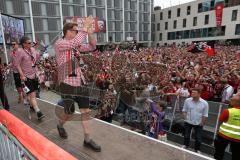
195,110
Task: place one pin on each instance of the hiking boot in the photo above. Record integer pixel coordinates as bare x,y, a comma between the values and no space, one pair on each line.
92,145
62,132
40,115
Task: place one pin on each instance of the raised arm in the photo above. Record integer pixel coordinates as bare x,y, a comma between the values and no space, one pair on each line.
64,45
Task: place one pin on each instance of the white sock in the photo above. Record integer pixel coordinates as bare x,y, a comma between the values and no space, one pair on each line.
36,109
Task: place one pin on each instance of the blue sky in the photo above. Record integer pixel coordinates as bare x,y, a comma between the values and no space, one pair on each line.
168,3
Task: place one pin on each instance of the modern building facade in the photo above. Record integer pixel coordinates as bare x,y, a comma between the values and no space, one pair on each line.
124,18
195,21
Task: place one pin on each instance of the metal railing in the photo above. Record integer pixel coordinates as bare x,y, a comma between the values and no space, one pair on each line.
11,148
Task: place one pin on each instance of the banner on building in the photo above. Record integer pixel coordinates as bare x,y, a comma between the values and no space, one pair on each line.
12,28
97,25
219,5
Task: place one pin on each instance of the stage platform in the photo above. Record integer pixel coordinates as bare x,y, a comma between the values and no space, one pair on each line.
117,143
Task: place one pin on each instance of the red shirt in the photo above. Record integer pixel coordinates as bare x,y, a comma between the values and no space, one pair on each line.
224,118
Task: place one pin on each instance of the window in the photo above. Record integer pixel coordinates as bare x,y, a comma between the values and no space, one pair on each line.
226,3
234,15
153,17
160,36
188,10
174,24
166,25
153,37
178,12
204,32
206,21
212,4
194,21
200,7
206,6
158,27
179,35
43,9
9,6
169,14
237,32
186,34
161,15
184,22
45,24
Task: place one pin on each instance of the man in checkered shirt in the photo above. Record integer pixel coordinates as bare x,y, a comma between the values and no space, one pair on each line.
71,78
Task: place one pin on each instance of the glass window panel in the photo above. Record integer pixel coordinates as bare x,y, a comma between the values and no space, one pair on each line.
174,24
237,31
204,32
234,15
166,25
188,10
200,7
194,21
178,12
169,14
26,8
206,21
9,6
186,34
45,24
158,26
184,22
206,6
44,9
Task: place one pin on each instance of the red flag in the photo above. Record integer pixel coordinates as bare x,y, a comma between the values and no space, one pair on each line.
219,12
210,51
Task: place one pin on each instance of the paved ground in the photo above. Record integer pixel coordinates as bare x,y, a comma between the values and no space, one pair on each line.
117,143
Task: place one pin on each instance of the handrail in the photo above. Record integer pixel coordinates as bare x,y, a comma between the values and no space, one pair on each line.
39,146
13,145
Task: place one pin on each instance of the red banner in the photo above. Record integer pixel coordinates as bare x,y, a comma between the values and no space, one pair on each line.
219,12
97,25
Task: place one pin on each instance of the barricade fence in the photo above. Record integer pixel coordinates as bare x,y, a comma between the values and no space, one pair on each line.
15,143
11,148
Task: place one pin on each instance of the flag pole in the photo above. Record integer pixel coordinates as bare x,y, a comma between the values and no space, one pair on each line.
3,38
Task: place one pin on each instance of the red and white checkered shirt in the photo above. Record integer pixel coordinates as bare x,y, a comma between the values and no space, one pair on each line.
13,58
26,60
63,49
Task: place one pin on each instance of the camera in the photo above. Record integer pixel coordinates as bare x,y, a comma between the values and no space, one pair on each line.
26,89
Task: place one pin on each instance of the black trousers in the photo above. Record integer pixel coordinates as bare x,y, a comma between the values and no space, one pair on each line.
220,145
198,135
3,95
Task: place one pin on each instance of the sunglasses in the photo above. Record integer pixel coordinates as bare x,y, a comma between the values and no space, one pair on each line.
76,31
13,44
28,42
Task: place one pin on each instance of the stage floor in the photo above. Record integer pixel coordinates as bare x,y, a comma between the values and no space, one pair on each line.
117,143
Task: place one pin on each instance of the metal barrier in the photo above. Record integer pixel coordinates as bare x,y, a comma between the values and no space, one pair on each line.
173,115
11,148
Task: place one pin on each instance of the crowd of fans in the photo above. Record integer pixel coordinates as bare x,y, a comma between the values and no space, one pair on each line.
161,71
167,70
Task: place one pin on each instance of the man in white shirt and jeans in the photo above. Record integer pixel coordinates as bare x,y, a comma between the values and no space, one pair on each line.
195,111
